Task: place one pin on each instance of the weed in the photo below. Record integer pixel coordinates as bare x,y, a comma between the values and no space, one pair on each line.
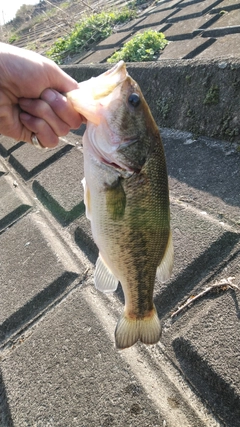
89,31
212,96
164,107
13,38
142,47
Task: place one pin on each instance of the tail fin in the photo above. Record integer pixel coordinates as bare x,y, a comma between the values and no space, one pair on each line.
129,331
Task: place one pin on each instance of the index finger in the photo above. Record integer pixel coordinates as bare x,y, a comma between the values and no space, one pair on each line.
62,108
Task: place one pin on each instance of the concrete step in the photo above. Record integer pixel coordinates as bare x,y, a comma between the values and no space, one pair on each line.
57,331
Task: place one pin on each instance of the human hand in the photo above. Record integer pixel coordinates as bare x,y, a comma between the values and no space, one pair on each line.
25,79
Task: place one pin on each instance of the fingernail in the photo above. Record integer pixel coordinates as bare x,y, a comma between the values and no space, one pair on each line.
49,95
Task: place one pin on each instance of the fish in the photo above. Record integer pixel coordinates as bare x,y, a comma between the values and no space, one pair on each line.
126,197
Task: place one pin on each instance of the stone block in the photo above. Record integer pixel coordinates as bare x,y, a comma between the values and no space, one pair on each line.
68,373
206,348
83,237
155,19
193,10
13,204
226,5
207,188
225,47
228,19
99,56
8,145
186,49
60,189
187,29
28,161
32,276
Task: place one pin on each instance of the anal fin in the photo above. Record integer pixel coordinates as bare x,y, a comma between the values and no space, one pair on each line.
104,280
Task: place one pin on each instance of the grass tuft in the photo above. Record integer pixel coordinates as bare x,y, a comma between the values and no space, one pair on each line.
142,47
87,32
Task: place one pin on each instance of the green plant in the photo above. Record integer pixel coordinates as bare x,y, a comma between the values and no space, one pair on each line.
13,38
88,31
212,96
142,47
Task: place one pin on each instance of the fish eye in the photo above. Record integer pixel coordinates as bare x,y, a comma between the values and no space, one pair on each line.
134,99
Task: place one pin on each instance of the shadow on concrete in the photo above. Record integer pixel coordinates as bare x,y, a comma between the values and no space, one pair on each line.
35,306
86,244
5,413
204,167
63,216
218,393
13,216
207,265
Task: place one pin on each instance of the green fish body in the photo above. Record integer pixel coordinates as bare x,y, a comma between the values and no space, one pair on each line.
126,198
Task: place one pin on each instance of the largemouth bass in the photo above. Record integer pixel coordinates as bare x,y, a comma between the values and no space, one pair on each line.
126,198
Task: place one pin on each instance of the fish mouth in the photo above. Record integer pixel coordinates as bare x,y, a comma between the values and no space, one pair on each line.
115,69
94,94
104,85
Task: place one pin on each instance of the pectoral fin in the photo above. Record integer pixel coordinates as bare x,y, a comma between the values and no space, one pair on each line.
116,200
87,201
104,280
164,269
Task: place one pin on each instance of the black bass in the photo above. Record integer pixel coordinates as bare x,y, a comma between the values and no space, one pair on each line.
126,198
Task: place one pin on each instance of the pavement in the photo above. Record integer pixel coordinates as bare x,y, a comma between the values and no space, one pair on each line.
58,363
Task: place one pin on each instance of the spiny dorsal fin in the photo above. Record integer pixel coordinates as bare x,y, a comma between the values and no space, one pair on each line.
129,331
104,280
165,267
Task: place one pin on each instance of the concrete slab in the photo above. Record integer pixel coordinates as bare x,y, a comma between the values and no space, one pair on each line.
199,348
194,10
228,19
155,18
205,174
168,4
28,161
188,28
12,204
226,5
229,43
186,49
62,193
73,376
99,56
32,276
81,233
206,247
107,47
8,145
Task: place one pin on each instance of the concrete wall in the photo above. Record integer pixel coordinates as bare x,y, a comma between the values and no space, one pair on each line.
196,96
